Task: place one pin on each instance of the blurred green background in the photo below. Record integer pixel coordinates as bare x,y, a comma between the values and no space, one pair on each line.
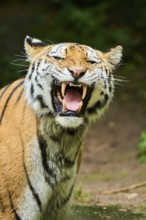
100,24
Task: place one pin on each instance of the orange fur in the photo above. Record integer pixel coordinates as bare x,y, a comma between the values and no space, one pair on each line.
19,124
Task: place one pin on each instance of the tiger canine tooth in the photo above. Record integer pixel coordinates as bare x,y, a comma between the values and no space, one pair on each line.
64,106
81,104
59,97
63,87
84,91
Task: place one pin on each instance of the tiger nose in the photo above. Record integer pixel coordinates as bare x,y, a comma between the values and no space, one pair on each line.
77,72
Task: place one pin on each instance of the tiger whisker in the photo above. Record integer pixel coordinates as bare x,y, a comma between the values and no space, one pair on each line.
120,80
18,60
119,76
49,41
16,64
23,53
118,84
19,55
22,71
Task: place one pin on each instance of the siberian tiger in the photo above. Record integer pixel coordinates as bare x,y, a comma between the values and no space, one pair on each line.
43,121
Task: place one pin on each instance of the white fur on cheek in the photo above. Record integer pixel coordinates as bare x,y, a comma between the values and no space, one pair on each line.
45,80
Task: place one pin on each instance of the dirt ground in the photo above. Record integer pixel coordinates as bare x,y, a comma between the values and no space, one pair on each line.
110,155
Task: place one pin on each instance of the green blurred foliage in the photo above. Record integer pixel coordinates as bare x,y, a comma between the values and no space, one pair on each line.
100,24
142,147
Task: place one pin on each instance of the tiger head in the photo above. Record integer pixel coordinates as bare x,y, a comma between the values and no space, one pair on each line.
72,82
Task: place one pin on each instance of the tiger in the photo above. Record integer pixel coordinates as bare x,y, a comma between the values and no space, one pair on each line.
44,117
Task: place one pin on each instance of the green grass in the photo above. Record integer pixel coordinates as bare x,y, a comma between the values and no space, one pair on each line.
104,213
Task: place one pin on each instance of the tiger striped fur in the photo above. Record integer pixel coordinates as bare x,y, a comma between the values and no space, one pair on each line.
43,121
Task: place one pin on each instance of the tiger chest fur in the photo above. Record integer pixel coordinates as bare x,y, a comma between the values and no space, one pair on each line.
43,121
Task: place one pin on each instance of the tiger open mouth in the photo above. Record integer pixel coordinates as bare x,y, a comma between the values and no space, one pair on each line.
69,98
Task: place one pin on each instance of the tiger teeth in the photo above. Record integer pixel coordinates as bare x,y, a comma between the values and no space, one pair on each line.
81,104
63,87
59,97
64,106
78,85
84,91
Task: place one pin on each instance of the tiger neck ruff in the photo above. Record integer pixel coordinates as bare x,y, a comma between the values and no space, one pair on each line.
43,120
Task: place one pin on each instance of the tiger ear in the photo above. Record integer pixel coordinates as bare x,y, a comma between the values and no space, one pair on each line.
114,56
33,46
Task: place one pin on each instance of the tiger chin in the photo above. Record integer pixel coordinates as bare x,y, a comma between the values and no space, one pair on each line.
43,121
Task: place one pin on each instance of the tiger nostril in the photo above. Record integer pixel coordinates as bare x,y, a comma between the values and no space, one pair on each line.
70,70
77,72
82,73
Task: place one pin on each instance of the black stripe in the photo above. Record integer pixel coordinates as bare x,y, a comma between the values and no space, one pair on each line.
55,138
33,67
32,70
30,76
2,205
45,69
69,163
19,96
37,82
106,98
62,202
14,210
4,90
71,131
32,90
38,64
43,147
109,79
8,99
64,161
77,152
35,44
110,88
40,44
41,100
98,105
23,113
34,193
40,86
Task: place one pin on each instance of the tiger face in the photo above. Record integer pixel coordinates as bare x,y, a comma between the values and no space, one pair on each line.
71,82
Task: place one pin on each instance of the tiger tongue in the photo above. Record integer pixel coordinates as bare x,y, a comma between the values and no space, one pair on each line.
72,100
